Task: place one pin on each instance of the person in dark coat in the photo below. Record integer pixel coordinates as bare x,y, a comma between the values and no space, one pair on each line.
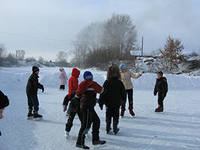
74,106
31,90
161,87
113,95
4,102
86,92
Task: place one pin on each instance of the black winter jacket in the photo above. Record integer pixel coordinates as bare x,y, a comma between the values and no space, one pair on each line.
161,86
4,101
33,85
114,93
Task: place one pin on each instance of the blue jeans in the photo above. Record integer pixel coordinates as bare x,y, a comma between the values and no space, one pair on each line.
33,103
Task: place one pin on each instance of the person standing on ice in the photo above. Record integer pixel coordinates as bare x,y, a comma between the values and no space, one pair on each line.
63,78
161,87
114,93
126,76
86,92
4,102
74,107
31,90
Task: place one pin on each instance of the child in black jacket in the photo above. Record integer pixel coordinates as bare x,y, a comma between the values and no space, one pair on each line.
4,102
113,95
31,90
161,88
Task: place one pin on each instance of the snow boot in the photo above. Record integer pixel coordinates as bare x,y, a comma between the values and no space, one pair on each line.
82,146
30,115
122,112
116,131
131,112
98,142
109,131
37,116
159,109
66,134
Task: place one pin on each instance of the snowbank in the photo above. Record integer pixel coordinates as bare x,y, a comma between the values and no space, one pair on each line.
17,78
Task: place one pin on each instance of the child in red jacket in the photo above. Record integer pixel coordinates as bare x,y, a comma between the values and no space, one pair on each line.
73,108
86,92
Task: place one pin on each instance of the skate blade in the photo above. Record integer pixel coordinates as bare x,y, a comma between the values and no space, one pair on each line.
29,118
128,117
37,119
111,133
67,137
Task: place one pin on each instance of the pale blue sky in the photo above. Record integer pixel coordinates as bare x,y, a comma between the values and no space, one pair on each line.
44,27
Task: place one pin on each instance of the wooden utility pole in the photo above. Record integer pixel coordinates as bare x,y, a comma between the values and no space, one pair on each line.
142,49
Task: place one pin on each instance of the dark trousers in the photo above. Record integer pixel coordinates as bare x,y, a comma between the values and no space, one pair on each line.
62,87
33,103
130,100
70,120
161,98
89,116
112,113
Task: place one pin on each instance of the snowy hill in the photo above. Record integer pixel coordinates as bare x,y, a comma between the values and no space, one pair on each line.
175,129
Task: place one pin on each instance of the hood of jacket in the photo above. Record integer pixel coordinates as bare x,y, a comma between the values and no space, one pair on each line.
75,72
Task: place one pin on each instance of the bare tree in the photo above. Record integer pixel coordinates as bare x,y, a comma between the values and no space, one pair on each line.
120,35
172,53
41,60
2,51
20,54
62,56
62,59
112,39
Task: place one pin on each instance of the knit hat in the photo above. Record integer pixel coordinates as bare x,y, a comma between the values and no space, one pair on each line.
35,69
160,73
88,75
122,66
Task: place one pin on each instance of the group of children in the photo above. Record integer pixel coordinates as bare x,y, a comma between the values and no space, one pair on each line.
82,100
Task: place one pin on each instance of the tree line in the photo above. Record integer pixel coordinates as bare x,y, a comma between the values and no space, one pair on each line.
18,58
106,41
114,39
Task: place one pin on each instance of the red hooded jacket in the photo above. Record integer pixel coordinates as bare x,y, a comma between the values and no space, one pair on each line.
87,90
73,82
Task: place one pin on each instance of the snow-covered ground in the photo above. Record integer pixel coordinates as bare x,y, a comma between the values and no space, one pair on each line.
177,128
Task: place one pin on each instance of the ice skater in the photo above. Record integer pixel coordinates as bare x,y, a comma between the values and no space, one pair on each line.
161,87
126,76
86,92
31,90
4,102
74,106
63,78
114,93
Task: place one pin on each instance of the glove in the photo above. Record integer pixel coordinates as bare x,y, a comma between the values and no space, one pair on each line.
64,108
42,89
